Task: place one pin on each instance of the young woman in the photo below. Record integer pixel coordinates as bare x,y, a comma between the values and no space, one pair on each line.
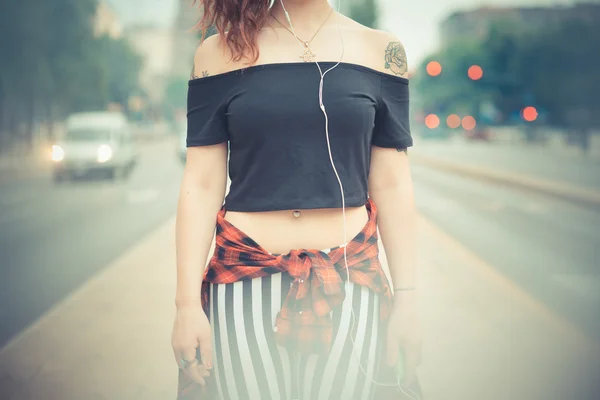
310,111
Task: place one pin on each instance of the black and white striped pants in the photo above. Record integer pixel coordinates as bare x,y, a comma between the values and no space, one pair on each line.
248,363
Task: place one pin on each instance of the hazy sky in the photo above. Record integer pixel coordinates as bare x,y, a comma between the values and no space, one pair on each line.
414,22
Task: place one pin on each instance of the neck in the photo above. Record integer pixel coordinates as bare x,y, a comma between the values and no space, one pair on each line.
305,14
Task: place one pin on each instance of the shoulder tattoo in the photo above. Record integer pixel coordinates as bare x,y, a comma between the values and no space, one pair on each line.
194,76
395,58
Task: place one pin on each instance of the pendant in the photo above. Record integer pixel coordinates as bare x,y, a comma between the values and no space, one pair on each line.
307,56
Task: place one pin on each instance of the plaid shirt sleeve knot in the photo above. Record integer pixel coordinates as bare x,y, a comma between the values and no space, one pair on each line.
304,322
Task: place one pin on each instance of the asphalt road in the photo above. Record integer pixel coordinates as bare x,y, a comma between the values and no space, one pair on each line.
53,238
546,246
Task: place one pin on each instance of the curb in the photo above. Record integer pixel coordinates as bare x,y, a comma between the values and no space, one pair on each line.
585,197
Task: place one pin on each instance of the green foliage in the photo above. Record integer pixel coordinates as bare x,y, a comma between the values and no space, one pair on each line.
364,12
544,69
51,64
122,65
451,91
560,70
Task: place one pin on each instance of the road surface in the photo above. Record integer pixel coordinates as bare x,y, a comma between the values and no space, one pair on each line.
53,238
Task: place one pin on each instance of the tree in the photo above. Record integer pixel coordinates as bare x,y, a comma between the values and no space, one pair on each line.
542,69
46,62
122,66
452,91
560,70
52,64
364,12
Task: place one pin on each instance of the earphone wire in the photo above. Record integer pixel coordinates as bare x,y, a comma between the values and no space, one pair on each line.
408,392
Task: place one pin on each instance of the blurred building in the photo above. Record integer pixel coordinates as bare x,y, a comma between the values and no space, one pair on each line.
155,45
106,21
185,38
477,23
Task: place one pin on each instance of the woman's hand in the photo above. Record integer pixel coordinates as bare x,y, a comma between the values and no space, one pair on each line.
404,333
190,331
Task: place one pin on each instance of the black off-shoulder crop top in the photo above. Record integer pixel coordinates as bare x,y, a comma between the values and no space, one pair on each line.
270,115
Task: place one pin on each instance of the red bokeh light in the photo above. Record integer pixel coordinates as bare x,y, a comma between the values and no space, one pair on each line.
475,72
468,123
453,121
529,114
434,68
432,121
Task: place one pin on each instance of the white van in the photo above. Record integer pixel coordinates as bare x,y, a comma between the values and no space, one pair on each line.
95,141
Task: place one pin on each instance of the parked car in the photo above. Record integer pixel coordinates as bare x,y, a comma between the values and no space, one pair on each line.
95,142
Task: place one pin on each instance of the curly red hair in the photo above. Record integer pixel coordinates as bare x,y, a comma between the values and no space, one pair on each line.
237,21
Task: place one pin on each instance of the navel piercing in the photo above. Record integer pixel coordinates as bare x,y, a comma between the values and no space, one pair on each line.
296,214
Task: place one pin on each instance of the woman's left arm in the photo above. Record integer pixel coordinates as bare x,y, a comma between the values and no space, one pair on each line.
391,188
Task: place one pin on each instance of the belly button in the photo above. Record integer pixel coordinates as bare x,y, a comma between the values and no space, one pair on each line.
296,214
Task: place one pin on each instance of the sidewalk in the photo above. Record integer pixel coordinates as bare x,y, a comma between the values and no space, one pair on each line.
485,338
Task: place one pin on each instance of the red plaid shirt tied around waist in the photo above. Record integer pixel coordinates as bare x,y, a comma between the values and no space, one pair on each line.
304,322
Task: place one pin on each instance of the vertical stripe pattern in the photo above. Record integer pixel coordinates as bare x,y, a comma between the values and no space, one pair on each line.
250,365
216,342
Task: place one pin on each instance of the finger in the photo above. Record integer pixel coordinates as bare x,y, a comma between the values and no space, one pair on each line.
392,350
189,354
195,373
206,352
204,371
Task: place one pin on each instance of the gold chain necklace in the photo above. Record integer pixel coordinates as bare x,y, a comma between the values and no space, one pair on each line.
307,55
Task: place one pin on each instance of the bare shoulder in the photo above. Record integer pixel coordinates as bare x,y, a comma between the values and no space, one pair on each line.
389,53
376,49
212,57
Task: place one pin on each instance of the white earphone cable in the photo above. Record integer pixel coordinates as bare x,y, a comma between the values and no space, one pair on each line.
411,394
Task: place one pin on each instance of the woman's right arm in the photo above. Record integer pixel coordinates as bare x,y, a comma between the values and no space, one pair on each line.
200,199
